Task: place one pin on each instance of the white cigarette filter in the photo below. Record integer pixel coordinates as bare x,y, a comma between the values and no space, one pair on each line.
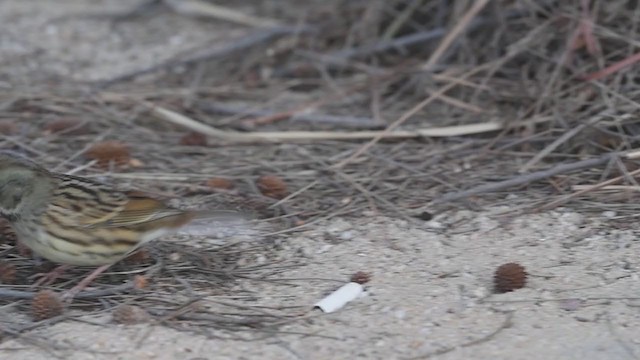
339,298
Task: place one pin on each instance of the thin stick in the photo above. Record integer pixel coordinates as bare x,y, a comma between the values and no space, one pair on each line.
394,125
613,68
586,190
461,104
453,34
385,45
82,151
411,39
18,294
528,178
201,8
616,188
400,20
304,108
557,142
406,116
182,120
343,121
283,136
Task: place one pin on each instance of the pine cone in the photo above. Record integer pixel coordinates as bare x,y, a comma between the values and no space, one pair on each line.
109,151
272,186
46,304
509,277
361,277
7,273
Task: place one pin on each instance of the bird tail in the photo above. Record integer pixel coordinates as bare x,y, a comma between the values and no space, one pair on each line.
223,224
219,215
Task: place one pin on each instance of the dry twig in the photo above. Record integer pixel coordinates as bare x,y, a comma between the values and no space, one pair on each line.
201,8
284,136
527,178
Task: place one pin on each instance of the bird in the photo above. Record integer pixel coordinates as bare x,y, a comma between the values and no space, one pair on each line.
76,221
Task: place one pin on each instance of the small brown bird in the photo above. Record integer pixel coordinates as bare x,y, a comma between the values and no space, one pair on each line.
77,221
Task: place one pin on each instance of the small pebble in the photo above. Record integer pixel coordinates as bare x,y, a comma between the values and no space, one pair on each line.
570,304
346,235
434,224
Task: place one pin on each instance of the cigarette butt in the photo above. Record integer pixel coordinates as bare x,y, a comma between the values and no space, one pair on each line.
339,298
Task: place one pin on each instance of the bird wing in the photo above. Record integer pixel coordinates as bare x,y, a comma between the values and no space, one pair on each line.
84,203
140,210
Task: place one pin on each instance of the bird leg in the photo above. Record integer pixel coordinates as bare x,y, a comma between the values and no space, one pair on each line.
71,293
49,277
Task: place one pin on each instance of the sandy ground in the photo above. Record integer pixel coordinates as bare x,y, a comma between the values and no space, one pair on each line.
431,292
68,39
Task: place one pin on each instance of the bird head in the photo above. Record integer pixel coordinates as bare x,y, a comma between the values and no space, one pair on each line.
24,185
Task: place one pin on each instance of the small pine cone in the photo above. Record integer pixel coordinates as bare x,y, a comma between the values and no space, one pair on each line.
7,273
272,186
46,304
361,277
108,152
140,256
509,277
129,314
194,139
219,183
140,282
